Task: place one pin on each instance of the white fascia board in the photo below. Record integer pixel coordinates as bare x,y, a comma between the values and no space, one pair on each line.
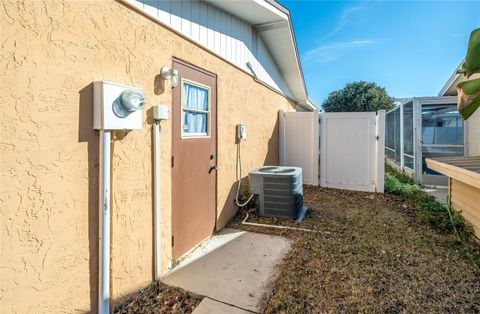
279,43
286,58
302,93
309,105
267,5
451,81
313,105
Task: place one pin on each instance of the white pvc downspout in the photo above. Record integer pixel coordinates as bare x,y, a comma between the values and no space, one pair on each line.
156,197
104,224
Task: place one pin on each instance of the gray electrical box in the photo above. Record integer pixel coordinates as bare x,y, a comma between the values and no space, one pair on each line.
279,191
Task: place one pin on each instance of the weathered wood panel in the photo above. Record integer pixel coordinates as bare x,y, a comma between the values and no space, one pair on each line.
466,198
459,168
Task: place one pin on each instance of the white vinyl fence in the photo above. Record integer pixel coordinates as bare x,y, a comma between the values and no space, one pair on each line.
351,157
299,142
351,148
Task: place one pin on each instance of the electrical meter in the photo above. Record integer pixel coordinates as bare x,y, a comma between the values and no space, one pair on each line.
117,107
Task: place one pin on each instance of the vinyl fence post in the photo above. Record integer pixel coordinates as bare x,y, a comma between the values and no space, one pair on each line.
380,151
323,145
315,147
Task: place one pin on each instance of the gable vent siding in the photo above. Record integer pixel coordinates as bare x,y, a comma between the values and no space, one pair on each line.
220,32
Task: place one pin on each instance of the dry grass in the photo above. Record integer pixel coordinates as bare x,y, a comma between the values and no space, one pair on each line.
377,256
159,298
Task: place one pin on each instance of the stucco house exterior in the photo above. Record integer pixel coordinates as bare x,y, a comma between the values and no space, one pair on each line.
242,54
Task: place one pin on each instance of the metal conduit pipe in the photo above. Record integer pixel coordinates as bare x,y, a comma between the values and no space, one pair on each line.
156,197
115,107
160,113
104,224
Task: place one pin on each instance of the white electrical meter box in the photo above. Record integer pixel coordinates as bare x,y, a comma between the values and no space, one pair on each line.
160,112
117,107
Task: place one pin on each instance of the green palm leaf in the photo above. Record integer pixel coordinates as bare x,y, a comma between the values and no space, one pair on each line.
469,91
472,60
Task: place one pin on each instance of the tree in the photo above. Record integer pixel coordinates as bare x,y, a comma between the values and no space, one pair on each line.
358,96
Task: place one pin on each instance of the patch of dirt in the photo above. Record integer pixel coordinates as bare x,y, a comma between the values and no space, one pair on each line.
373,254
159,298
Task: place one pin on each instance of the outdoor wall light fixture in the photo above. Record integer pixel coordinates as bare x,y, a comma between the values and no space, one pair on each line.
170,75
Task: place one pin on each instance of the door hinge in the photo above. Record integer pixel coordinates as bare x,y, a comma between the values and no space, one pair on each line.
173,161
173,240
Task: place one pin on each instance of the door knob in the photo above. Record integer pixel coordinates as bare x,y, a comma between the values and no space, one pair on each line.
214,167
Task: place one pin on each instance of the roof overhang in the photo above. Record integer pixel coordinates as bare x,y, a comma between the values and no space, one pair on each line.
272,21
450,87
309,105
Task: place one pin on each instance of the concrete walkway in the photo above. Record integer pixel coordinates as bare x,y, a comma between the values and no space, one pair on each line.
209,306
235,271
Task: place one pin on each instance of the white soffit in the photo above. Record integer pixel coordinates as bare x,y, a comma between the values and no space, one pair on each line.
274,25
450,87
279,41
251,11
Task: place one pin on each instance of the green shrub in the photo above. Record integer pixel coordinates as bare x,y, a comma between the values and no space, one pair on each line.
431,211
394,186
401,176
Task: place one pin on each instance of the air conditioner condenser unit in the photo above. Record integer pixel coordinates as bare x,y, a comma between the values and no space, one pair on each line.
279,191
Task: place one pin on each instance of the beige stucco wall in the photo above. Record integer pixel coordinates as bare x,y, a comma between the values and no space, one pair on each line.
51,53
473,134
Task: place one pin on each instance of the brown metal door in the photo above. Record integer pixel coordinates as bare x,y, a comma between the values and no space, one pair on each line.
194,158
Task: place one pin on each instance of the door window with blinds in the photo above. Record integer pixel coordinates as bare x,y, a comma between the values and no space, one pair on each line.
195,109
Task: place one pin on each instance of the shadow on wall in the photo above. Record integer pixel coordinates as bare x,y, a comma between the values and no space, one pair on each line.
229,208
273,153
150,122
87,134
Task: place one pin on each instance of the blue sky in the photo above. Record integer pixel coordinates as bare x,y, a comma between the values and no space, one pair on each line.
411,48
